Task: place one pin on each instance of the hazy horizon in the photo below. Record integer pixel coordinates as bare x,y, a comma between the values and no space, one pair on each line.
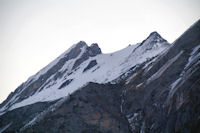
33,33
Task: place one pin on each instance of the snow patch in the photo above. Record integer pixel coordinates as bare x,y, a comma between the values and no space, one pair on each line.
139,85
194,55
109,68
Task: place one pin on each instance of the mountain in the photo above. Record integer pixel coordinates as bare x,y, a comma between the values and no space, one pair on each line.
152,86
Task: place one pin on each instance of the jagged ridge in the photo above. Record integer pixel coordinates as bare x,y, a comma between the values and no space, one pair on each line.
68,70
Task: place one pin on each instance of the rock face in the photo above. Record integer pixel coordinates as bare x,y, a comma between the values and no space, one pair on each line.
166,98
151,87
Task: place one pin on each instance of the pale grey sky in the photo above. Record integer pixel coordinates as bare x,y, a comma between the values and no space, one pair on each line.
34,32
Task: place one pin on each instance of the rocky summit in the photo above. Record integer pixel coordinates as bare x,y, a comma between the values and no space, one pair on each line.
150,87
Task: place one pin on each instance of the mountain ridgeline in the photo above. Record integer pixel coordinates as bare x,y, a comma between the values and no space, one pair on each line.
150,87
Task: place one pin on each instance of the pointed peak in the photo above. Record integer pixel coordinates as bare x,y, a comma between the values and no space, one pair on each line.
154,37
94,45
91,51
94,49
75,50
81,44
154,40
155,33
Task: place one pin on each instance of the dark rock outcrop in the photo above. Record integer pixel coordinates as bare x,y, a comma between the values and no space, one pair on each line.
94,108
90,65
167,99
91,51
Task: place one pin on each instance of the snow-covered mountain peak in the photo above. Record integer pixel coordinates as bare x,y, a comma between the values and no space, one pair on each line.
154,33
156,37
153,41
78,66
153,38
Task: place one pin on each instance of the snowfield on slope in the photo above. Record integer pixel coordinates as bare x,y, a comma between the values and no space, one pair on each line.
108,68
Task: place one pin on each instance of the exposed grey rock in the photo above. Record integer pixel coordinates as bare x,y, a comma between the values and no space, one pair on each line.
94,49
94,108
65,83
161,111
91,51
90,65
19,117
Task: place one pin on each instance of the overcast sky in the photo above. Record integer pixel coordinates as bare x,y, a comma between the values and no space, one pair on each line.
34,32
